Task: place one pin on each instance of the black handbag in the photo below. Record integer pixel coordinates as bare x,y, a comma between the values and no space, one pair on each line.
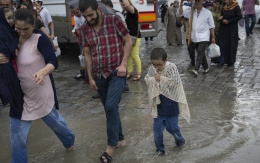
178,22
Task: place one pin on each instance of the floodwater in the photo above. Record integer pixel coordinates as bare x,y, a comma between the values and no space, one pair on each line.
224,106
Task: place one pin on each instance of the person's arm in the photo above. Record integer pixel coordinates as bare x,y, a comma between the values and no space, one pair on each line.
45,48
88,61
212,31
121,70
51,26
243,6
129,7
211,27
181,8
3,59
47,34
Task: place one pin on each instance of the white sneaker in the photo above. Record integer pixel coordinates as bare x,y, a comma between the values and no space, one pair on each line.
206,71
194,72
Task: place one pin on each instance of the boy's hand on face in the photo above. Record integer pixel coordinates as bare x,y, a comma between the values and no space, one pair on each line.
157,76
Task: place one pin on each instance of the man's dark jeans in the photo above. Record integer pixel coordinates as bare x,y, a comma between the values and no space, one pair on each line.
201,59
249,30
110,91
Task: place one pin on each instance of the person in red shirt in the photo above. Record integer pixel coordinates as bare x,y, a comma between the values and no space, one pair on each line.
107,46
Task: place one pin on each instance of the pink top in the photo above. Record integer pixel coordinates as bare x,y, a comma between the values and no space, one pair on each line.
38,100
249,6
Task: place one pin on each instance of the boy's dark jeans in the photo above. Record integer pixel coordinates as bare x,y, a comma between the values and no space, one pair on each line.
171,125
110,91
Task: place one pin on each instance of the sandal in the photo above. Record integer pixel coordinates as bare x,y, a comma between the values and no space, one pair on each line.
128,76
107,157
137,77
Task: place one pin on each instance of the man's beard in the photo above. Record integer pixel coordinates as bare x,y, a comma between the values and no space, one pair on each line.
95,21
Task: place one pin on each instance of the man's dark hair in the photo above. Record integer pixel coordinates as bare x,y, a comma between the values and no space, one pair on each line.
71,7
85,4
158,53
23,14
108,3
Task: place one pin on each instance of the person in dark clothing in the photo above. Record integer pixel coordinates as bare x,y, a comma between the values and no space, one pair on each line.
9,82
228,34
147,40
163,10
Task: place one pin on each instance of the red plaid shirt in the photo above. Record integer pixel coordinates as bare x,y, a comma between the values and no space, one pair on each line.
106,45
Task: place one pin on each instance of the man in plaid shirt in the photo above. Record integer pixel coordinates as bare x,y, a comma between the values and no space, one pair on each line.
107,46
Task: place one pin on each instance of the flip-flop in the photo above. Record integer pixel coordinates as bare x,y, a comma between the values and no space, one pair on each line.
107,157
128,76
137,77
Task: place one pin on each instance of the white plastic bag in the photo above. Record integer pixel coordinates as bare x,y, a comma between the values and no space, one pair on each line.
213,51
56,46
82,60
241,22
57,52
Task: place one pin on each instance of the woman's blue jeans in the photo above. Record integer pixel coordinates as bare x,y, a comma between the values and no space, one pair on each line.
20,129
110,91
171,125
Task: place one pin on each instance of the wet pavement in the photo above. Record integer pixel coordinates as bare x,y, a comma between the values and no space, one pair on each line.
224,106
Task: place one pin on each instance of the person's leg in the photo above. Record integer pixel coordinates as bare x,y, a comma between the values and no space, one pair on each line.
58,125
130,65
102,85
253,21
19,134
114,92
146,40
247,24
178,36
204,63
158,128
191,49
201,58
114,128
136,58
173,128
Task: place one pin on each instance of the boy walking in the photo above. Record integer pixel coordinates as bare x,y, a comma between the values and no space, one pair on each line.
166,97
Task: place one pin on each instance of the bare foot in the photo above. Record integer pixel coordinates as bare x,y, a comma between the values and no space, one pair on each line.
121,144
70,148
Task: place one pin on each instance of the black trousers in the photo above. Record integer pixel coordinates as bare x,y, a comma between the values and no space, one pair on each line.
201,59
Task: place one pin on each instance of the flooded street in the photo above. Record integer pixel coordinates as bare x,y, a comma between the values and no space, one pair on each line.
224,106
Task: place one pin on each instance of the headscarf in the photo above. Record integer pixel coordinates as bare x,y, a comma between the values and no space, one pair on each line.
230,6
9,83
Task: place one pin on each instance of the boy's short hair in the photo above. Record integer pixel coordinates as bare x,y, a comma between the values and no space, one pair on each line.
158,53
